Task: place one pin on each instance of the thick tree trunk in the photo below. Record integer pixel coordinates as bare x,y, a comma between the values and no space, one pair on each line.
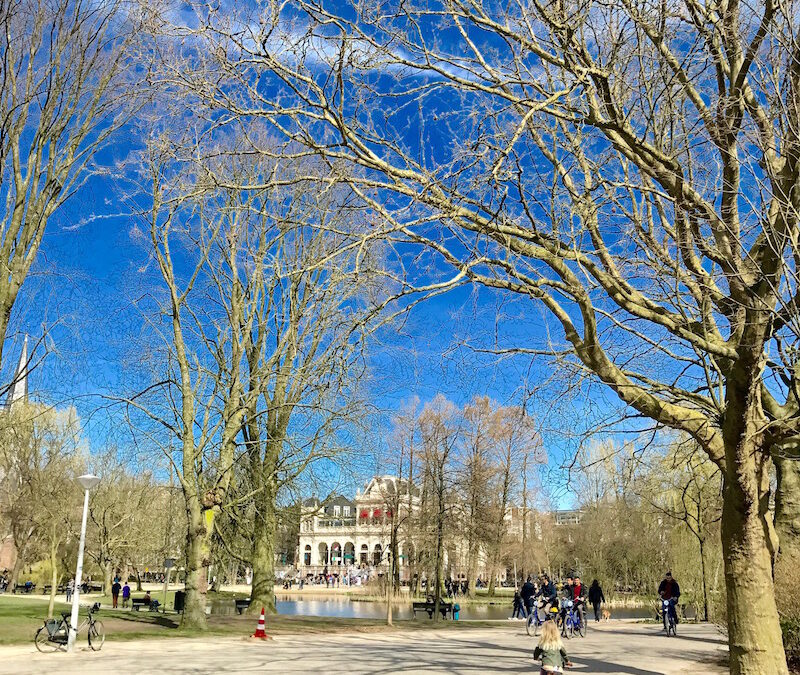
107,570
18,563
754,632
262,592
787,501
200,526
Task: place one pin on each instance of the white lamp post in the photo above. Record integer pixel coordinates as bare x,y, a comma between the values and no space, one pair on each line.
87,481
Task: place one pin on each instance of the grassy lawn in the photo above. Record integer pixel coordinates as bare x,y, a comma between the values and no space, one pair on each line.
21,617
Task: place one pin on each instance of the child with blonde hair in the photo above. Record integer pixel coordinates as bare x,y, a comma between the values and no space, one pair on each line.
550,650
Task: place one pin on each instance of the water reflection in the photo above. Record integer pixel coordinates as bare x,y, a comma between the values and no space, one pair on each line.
345,608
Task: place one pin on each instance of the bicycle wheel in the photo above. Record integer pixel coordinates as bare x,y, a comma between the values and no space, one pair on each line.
43,642
673,627
529,629
97,636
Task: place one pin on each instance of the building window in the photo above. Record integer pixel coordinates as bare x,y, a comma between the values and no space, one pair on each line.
346,511
337,510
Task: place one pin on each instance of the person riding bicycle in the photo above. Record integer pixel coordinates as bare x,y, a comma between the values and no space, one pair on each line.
566,596
579,598
548,593
669,590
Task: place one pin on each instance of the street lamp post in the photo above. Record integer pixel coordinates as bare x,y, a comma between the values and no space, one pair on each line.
87,481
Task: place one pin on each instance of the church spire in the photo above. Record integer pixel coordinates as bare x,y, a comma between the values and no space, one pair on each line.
19,387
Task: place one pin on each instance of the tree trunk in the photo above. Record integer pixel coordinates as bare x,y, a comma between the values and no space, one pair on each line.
200,525
107,570
262,592
53,576
754,632
439,552
787,502
18,563
702,543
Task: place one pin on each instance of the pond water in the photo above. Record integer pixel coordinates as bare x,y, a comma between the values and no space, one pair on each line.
344,607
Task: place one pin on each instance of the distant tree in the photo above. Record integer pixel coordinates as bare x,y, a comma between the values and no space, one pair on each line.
62,96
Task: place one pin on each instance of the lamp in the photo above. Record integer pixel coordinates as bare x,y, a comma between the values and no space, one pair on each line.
87,482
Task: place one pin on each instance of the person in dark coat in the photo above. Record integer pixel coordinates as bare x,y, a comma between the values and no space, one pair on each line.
519,610
526,593
115,589
596,597
669,590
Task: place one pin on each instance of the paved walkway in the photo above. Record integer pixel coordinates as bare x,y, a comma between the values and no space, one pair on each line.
615,647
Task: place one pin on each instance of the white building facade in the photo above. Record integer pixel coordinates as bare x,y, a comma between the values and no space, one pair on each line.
347,533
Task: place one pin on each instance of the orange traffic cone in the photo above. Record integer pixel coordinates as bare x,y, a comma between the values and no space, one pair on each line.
260,630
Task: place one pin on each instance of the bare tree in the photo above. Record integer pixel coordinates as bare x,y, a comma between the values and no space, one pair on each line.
63,64
631,167
438,424
473,476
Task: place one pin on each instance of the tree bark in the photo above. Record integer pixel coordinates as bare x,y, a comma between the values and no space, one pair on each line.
754,632
107,570
262,592
787,502
200,526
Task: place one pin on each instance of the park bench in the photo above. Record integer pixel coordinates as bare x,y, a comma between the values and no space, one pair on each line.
430,608
138,603
24,588
242,604
59,589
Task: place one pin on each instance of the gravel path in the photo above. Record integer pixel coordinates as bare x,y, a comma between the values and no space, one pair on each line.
614,647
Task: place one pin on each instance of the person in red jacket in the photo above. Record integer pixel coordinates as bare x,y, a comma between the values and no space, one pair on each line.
579,598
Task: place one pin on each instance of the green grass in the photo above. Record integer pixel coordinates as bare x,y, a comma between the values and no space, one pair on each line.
20,619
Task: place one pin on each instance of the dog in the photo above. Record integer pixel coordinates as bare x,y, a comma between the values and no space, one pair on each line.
605,615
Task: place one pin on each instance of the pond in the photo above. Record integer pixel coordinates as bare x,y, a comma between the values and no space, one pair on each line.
344,607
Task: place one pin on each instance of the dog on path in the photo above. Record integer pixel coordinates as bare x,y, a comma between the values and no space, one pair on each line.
605,614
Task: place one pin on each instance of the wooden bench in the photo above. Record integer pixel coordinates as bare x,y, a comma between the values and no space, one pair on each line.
138,603
59,589
430,608
24,588
242,604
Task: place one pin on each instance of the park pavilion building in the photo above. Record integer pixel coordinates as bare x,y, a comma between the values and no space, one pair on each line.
344,533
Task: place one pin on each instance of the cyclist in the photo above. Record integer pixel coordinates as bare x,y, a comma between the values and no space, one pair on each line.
668,589
548,593
566,594
579,598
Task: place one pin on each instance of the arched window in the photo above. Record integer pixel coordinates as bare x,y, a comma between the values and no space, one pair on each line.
307,555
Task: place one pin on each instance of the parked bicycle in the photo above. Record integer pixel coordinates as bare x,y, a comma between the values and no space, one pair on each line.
570,620
53,635
668,616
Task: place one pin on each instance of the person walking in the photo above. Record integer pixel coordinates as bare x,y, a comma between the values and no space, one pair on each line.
519,610
70,589
596,597
126,594
526,593
550,650
115,589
